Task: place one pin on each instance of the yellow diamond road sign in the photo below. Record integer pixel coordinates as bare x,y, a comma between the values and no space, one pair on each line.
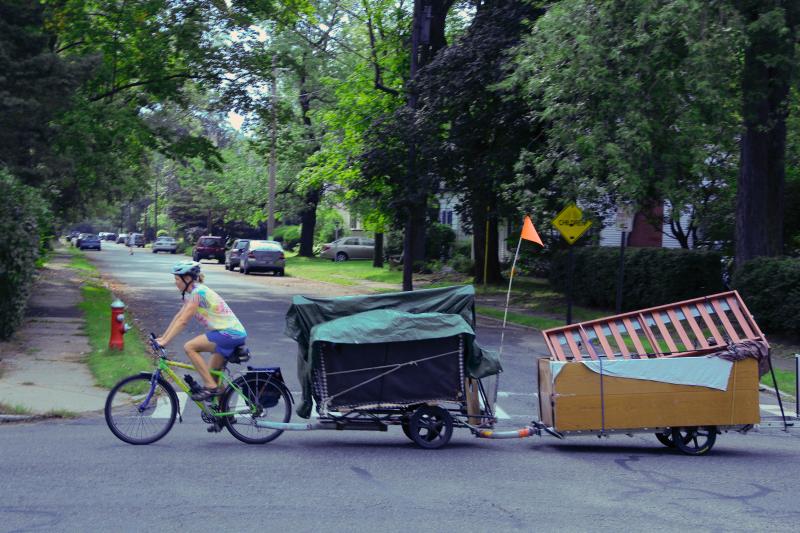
571,224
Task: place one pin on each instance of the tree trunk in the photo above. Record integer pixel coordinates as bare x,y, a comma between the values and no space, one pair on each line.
766,79
377,260
427,38
407,261
308,219
479,218
308,216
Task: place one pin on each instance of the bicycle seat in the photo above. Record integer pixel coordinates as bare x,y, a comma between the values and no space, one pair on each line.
241,354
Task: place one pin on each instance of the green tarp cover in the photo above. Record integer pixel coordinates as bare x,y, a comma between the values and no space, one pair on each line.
387,325
363,327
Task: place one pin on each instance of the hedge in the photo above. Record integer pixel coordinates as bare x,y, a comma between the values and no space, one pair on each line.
770,288
21,217
653,276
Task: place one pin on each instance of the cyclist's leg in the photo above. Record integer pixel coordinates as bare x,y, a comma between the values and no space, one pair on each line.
193,349
217,361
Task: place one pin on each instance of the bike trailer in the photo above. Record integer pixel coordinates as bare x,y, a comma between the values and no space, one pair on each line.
356,334
679,370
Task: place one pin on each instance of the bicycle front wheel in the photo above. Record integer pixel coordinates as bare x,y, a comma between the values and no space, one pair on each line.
261,398
139,414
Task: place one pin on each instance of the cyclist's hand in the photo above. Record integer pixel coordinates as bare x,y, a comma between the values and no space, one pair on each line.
160,341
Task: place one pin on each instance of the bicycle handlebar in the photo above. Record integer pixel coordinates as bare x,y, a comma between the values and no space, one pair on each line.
157,348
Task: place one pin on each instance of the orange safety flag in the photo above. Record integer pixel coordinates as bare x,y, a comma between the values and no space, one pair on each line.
529,232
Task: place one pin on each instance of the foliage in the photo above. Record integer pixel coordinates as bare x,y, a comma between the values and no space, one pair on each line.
653,276
439,240
771,289
162,233
21,222
327,222
288,235
470,130
639,100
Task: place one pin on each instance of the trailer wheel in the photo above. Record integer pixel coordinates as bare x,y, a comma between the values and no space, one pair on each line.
431,427
665,438
406,429
696,440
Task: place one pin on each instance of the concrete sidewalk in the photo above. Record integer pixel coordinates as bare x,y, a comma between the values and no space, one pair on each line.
42,367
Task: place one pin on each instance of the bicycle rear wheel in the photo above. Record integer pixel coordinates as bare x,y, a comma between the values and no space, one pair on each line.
262,398
137,416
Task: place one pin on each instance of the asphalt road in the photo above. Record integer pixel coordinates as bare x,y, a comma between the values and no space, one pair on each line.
76,476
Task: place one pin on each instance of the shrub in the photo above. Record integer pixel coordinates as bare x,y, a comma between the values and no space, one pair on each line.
393,242
462,264
438,241
162,233
653,276
462,248
328,220
288,235
22,224
771,289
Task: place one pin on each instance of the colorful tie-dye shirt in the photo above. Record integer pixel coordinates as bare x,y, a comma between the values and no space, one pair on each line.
214,313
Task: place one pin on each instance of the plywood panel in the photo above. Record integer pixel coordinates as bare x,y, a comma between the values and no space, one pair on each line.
545,392
632,403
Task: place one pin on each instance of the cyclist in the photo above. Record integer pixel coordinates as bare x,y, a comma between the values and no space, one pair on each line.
225,332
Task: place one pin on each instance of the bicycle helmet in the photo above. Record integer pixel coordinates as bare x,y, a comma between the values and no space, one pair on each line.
186,268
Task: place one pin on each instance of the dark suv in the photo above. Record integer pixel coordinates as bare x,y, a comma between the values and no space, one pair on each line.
209,247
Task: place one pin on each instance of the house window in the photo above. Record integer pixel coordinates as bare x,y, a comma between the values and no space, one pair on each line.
355,223
446,216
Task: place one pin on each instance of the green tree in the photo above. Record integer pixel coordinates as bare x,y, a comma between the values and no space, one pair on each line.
637,103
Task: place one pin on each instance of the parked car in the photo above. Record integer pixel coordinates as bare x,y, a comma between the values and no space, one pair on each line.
122,238
349,248
165,244
209,247
136,239
76,241
89,241
233,256
265,256
111,237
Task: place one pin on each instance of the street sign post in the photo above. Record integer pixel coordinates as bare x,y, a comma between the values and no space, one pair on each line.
571,224
624,223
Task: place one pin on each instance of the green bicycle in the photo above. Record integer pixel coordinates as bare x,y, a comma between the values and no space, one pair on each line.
142,408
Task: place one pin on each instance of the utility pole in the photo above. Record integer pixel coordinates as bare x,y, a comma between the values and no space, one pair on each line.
155,207
273,147
408,249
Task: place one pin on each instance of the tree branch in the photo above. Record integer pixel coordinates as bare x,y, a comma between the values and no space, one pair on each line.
378,76
121,88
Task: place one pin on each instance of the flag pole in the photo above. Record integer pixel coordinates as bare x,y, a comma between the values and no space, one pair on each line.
508,295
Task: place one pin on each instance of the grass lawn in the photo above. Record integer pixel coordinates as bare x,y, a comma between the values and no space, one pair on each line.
346,273
785,378
107,366
533,321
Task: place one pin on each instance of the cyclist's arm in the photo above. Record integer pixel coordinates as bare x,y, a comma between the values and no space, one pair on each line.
180,321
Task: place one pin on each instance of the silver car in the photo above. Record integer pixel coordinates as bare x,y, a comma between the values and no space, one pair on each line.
264,256
349,248
234,255
165,244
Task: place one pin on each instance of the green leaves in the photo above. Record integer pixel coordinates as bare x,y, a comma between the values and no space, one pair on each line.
636,97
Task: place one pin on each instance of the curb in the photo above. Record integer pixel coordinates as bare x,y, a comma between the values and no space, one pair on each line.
5,419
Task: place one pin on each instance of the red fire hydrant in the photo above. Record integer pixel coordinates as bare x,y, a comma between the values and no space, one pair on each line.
118,325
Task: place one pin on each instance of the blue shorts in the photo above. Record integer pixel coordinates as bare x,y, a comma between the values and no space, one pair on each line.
225,342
